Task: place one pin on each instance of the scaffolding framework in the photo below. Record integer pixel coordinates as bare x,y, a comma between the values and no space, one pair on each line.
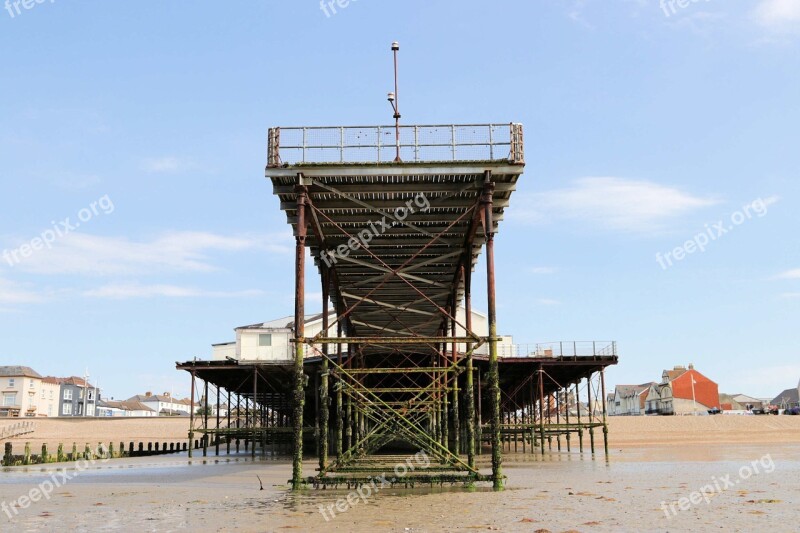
396,245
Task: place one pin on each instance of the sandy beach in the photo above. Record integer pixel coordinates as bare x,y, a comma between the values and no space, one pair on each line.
742,472
625,432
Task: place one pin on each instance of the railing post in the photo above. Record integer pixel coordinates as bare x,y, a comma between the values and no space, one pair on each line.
304,145
379,144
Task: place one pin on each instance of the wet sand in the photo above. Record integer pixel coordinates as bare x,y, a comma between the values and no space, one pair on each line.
646,476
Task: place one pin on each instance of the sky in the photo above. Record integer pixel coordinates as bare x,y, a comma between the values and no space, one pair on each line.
659,205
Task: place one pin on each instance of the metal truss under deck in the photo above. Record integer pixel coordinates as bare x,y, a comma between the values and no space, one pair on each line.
396,244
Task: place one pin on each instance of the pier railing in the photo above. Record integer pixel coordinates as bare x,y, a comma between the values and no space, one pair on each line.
559,349
378,144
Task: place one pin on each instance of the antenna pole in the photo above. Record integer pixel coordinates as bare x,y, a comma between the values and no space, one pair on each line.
396,103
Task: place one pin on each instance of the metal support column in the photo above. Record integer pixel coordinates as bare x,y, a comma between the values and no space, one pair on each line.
487,201
299,334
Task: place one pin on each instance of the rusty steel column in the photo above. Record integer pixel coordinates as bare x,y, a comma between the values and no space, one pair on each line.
454,402
216,434
253,414
605,416
487,201
299,333
323,396
191,417
541,408
469,393
205,418
578,407
591,412
339,413
479,411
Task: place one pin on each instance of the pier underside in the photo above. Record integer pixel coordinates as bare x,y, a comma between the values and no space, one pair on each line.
396,245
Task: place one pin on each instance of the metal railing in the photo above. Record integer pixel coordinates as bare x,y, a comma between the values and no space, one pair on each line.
377,144
559,349
17,429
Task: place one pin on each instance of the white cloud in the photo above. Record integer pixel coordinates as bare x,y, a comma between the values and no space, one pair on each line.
614,203
790,274
542,270
16,293
127,291
186,251
167,165
778,15
547,301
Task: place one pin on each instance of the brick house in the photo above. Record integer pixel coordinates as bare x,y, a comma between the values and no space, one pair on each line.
682,391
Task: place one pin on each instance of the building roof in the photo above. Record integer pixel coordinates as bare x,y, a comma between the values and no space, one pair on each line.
72,380
633,390
286,322
675,373
18,371
159,398
788,396
125,405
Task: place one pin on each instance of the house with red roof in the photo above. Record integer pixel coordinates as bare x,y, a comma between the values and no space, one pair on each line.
682,391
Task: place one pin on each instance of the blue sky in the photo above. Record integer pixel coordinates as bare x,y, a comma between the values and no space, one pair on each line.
146,123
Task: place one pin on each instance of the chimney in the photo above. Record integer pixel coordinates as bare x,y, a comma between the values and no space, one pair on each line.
166,394
691,366
148,394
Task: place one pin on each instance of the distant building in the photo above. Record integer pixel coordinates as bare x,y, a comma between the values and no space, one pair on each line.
163,404
112,408
271,341
77,396
740,403
49,397
20,389
629,400
25,393
787,399
682,391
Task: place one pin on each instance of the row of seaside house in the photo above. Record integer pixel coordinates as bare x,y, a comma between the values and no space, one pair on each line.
685,391
24,393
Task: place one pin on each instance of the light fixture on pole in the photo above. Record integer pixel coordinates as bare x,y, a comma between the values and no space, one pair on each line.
394,101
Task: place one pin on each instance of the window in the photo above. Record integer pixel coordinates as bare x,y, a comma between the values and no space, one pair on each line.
67,408
80,394
265,339
91,394
10,382
51,394
9,399
67,394
42,394
50,410
32,385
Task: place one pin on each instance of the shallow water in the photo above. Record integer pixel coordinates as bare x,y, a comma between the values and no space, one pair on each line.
632,491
